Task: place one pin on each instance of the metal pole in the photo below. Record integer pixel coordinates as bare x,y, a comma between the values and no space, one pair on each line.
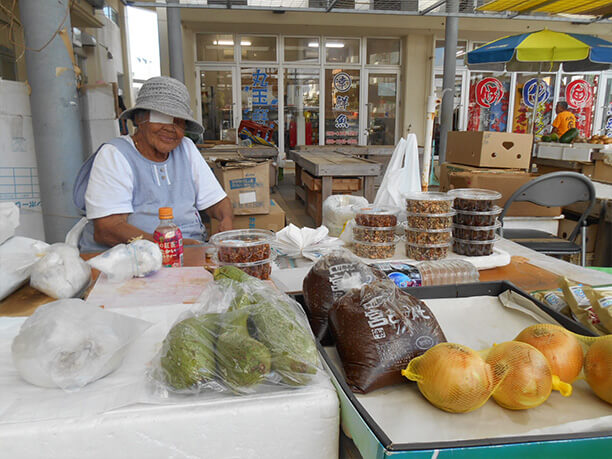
450,66
175,42
56,118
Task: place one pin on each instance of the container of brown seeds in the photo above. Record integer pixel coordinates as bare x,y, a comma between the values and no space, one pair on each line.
375,250
428,202
376,216
421,252
427,236
374,233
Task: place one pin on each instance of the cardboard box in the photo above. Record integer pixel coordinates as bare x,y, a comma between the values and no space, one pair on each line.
566,226
247,184
274,221
344,185
602,172
503,180
489,149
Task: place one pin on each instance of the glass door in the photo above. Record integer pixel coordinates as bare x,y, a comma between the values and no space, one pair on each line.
604,127
302,93
218,103
381,108
342,87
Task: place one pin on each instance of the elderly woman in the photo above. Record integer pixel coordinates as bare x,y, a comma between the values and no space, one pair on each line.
123,185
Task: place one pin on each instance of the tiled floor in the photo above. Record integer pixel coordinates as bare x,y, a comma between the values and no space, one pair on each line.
284,195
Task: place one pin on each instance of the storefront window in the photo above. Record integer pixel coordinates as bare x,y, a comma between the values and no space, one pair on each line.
439,53
215,47
342,106
217,104
525,99
488,105
580,93
383,51
382,103
258,48
302,50
342,51
301,107
260,96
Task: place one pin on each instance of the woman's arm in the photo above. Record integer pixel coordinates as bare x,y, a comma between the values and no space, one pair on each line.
223,212
114,229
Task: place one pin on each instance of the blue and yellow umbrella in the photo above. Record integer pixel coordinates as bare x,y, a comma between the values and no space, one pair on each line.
543,50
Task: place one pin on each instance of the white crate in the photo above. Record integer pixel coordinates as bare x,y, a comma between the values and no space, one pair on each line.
575,152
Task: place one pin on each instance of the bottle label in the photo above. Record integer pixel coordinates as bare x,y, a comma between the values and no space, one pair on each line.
404,275
171,246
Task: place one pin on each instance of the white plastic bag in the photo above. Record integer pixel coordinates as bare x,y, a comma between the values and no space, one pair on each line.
338,209
306,242
9,220
69,343
61,273
17,256
402,175
124,261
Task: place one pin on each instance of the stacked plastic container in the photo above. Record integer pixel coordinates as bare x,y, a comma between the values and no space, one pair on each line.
374,232
247,249
428,227
475,224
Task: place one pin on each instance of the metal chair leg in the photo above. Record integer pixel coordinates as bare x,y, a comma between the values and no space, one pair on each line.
583,244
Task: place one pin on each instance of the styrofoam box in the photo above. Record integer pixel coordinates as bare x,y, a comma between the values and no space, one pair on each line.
96,132
14,97
575,152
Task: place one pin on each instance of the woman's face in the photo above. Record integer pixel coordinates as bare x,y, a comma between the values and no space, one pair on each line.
163,137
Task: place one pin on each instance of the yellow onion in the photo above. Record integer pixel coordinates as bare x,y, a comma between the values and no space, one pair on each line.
560,347
598,367
525,374
452,377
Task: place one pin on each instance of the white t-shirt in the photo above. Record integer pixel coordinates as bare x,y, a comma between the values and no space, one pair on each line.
110,186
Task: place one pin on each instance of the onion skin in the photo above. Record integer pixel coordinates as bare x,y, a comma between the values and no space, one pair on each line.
598,367
527,378
560,347
452,377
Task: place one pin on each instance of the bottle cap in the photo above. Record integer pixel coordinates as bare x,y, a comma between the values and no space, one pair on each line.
165,213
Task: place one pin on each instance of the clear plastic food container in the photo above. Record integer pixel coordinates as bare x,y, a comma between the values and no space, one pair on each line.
376,216
475,233
427,251
373,233
419,220
375,250
428,202
427,236
243,245
476,218
450,271
260,269
477,199
473,248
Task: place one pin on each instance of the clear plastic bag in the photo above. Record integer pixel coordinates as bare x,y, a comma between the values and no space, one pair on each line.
338,209
122,262
61,272
244,337
69,344
18,255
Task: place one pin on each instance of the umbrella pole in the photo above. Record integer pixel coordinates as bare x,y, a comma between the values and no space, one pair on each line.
536,101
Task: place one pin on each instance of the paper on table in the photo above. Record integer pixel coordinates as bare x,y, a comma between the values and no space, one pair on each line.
166,286
307,242
478,322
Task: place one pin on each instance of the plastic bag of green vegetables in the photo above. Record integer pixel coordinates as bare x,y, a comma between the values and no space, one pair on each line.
244,336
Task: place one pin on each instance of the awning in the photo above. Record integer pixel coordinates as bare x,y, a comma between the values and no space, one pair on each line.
588,7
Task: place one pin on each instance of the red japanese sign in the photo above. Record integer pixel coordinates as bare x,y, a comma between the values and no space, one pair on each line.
489,91
578,94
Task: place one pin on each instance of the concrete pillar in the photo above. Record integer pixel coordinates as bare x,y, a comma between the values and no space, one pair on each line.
448,79
175,42
56,118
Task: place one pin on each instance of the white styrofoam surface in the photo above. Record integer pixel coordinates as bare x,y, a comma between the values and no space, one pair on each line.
479,322
109,419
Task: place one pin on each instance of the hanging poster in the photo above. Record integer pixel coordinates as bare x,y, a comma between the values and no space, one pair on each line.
579,97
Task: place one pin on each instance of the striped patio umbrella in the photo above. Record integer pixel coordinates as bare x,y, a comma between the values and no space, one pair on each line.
543,50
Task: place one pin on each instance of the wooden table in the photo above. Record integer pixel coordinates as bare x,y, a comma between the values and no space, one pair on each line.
329,164
524,275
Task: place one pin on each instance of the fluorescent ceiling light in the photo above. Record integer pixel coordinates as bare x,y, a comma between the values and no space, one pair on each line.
313,44
460,53
334,45
230,43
